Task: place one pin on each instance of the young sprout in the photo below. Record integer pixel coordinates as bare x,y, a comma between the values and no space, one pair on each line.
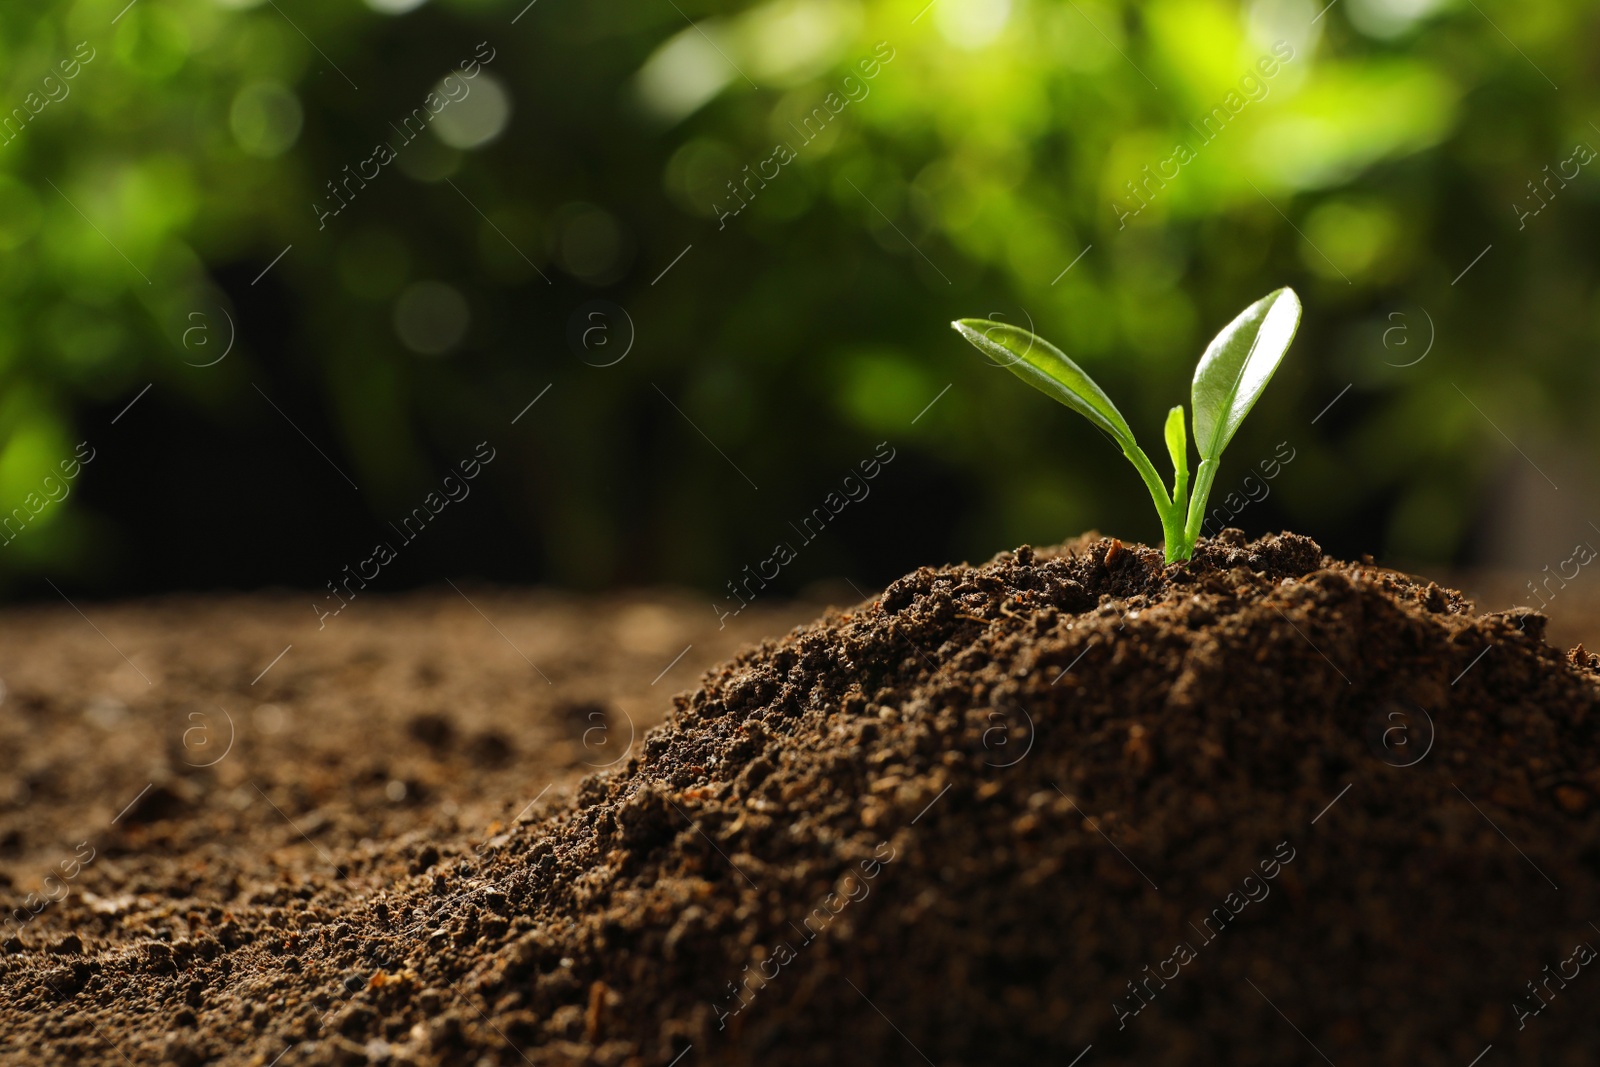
1234,370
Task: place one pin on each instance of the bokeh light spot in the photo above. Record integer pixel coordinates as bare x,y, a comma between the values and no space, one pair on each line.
476,114
265,119
590,242
430,318
971,24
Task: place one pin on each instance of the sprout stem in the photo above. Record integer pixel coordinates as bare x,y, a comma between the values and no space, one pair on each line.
1197,503
1171,511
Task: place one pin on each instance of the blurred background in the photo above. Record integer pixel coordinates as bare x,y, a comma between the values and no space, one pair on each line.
273,270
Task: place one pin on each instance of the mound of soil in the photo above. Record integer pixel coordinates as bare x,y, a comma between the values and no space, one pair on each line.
1072,805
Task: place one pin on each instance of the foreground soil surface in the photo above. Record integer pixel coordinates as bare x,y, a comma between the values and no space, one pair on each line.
403,724
1070,806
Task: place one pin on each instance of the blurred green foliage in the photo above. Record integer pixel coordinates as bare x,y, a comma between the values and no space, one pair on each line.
993,150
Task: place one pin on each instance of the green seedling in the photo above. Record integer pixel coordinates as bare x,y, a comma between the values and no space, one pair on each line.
1234,370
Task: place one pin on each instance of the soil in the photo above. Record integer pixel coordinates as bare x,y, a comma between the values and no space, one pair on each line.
1072,805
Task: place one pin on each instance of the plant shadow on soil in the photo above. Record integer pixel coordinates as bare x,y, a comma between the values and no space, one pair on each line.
1257,808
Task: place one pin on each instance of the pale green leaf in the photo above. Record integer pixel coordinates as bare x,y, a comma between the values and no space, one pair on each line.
1177,444
1237,366
1046,368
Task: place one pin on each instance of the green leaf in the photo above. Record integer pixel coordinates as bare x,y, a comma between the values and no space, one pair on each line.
1046,368
1177,445
1237,366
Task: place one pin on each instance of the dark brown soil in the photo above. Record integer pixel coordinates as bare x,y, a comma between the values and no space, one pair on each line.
1068,807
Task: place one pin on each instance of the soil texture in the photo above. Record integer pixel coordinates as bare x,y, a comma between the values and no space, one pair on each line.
1070,806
